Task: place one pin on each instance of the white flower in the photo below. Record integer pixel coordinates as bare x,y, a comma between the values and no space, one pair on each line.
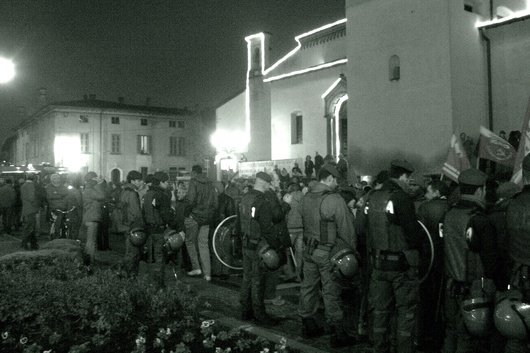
205,324
23,340
265,350
168,331
213,337
5,335
158,340
48,351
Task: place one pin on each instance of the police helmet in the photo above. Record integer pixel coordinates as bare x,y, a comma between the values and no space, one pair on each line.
512,316
137,237
477,316
173,240
269,257
345,263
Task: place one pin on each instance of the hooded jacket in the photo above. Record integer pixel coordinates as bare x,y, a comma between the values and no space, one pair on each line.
93,200
202,196
130,205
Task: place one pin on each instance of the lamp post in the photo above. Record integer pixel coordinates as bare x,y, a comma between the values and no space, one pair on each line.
7,70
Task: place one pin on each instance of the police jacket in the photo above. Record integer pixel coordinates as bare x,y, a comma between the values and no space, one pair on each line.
203,199
130,205
391,219
470,243
93,198
518,225
157,208
431,213
324,211
255,219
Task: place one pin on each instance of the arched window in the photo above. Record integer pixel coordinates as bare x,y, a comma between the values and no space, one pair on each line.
297,128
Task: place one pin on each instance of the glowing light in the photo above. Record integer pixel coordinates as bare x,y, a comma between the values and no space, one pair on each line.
68,153
229,141
337,125
309,69
299,44
515,15
7,70
331,88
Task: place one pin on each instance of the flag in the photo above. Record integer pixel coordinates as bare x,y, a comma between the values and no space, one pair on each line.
495,148
457,160
524,149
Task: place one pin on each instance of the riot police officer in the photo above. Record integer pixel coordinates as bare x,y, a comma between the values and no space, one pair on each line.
328,229
470,263
158,216
393,242
255,223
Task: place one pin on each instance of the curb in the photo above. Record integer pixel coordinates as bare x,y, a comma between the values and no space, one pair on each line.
260,331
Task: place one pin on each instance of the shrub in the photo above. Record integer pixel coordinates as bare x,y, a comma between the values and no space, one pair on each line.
66,308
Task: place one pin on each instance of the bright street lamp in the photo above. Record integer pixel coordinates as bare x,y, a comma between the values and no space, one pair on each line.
7,70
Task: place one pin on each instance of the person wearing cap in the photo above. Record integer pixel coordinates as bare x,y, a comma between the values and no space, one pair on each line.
144,188
56,195
93,197
158,217
431,213
202,196
518,239
132,217
470,255
390,231
327,228
30,209
255,224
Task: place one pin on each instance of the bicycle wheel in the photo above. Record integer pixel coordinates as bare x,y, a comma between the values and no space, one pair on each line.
227,245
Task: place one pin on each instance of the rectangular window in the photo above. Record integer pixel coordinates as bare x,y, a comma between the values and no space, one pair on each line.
181,146
173,145
143,122
115,119
144,144
83,118
173,123
116,143
297,128
181,124
84,143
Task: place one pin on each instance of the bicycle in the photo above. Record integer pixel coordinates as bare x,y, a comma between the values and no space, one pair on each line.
65,225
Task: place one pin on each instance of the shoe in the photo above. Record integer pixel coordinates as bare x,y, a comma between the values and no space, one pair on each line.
310,329
340,338
208,278
195,273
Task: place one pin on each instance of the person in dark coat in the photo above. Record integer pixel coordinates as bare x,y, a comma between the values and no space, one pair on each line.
319,162
94,196
30,209
309,168
7,202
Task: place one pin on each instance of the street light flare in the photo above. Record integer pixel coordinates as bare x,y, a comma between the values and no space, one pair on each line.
7,70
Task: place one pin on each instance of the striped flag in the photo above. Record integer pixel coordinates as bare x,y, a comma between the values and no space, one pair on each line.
524,149
495,148
457,160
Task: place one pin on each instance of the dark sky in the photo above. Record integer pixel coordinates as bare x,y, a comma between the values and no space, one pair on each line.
177,52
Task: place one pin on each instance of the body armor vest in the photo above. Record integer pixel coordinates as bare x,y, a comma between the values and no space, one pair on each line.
461,264
247,213
518,226
384,234
315,227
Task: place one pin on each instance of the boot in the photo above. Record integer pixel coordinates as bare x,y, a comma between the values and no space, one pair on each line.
340,338
310,329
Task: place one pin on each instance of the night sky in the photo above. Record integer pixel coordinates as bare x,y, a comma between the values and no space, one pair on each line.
179,53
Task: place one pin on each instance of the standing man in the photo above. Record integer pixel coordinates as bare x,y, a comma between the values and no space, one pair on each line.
203,205
393,243
56,195
93,198
319,162
255,224
470,253
158,216
327,228
30,209
431,213
132,218
518,229
7,202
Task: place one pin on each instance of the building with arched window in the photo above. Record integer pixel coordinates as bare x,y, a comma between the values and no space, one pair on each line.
394,79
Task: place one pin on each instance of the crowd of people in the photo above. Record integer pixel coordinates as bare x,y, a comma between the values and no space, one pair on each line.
418,283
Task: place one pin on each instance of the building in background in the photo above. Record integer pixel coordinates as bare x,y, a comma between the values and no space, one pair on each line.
391,80
110,138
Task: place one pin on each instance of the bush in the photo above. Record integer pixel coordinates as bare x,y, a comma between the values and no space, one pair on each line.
66,308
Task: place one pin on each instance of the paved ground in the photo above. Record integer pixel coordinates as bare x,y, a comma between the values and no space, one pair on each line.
219,300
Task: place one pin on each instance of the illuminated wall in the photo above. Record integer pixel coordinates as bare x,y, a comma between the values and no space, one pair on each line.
442,85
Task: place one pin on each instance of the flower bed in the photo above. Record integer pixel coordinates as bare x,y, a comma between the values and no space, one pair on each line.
63,307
